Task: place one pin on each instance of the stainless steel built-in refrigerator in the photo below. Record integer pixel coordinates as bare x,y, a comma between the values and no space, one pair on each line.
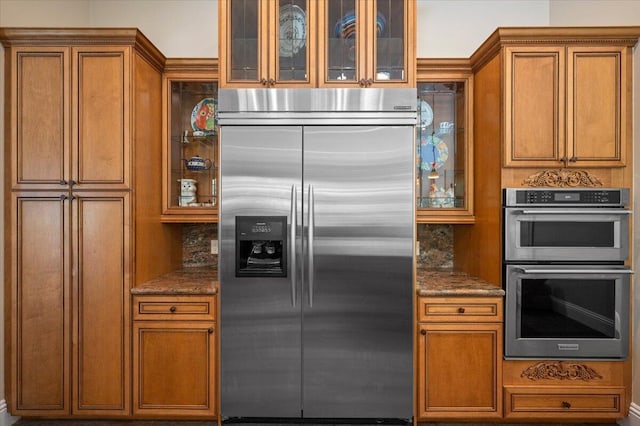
316,253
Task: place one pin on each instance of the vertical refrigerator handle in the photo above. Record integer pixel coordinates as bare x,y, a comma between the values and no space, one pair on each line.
310,245
292,243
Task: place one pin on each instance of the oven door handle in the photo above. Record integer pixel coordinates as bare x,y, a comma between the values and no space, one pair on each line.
573,271
573,212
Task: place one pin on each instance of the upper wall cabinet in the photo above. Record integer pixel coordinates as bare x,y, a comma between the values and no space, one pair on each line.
309,43
366,43
444,148
190,152
566,105
264,43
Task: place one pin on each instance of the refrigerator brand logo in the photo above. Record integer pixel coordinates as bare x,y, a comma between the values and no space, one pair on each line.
402,107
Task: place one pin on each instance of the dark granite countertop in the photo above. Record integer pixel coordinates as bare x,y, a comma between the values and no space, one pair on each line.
186,281
450,283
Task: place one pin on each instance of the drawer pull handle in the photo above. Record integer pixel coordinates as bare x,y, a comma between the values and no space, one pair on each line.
461,310
210,330
566,404
172,309
423,332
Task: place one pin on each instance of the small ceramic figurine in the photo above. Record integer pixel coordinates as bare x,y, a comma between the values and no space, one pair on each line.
188,191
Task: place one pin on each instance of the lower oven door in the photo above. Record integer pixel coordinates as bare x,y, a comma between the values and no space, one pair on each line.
566,234
565,311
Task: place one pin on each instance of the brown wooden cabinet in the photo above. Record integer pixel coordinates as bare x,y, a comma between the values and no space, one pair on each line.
189,106
444,138
459,348
174,352
548,390
76,186
566,105
308,43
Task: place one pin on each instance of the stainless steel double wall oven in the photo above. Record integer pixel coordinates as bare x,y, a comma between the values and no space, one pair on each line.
566,282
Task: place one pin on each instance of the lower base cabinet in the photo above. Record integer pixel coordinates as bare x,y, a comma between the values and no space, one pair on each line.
174,357
459,358
572,390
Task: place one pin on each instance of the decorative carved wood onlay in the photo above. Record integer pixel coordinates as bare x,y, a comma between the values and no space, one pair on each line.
563,178
561,371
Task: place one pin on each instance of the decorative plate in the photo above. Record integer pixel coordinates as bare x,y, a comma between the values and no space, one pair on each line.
346,26
203,116
433,150
426,114
293,30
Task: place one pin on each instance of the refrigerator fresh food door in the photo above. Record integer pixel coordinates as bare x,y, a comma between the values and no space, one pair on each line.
261,173
357,298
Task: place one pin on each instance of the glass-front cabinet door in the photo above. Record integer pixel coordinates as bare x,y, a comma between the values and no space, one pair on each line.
267,43
191,148
444,185
366,42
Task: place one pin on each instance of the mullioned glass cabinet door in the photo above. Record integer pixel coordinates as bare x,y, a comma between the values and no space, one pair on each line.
191,151
443,153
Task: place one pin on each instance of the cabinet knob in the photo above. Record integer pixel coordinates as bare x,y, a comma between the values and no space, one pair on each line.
566,404
264,81
63,182
573,159
369,82
210,330
172,309
63,197
272,82
423,332
461,310
72,182
564,160
362,82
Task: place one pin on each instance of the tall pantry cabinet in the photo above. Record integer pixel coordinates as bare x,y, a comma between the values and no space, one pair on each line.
82,210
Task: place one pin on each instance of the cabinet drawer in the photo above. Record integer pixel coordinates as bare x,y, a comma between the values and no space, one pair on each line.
565,402
460,309
174,308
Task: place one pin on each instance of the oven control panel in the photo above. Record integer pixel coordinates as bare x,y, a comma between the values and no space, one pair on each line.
617,197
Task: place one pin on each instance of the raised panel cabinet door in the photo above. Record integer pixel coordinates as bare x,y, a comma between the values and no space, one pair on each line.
459,371
101,318
534,106
40,263
597,103
174,363
39,117
101,121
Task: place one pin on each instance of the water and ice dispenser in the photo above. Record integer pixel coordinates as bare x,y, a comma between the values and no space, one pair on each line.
261,246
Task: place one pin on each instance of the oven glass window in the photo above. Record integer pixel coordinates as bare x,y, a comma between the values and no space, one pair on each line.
571,308
566,234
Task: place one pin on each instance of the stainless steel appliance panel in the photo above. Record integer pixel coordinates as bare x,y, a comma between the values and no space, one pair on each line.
567,311
261,170
357,297
566,234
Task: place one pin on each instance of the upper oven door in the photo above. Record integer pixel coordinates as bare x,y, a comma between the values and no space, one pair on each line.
566,234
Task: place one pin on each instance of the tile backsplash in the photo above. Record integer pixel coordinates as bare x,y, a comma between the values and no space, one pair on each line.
435,241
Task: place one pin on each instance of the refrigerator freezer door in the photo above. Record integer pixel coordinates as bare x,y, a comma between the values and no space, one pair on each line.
357,332
260,317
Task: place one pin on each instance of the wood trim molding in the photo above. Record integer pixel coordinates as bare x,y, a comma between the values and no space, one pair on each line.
502,36
563,178
426,66
560,370
191,64
17,36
